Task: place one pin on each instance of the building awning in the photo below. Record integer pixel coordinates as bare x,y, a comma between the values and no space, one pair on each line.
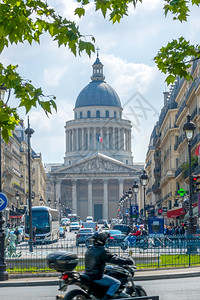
14,215
176,213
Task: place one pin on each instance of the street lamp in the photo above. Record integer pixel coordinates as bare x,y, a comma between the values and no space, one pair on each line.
60,204
29,131
55,202
49,201
189,128
130,195
41,200
144,178
3,273
135,188
17,197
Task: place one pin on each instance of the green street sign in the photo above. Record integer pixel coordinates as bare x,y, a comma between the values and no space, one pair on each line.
182,192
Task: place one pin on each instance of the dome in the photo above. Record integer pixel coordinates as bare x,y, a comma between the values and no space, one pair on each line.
98,93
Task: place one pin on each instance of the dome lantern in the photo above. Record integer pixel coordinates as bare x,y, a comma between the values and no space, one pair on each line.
97,69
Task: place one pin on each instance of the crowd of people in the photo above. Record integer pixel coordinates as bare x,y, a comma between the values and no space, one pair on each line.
175,230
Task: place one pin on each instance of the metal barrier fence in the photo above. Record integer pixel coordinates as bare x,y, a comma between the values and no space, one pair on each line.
149,253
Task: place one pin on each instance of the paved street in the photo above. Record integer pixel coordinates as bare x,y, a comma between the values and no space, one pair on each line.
166,289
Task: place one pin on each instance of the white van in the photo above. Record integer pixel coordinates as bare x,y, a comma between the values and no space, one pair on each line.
89,219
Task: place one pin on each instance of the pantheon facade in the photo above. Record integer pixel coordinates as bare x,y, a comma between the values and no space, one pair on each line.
98,164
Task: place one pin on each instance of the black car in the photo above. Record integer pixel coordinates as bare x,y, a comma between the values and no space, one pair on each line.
124,228
84,234
116,237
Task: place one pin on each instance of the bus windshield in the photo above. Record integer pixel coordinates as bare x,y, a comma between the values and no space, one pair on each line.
40,220
74,218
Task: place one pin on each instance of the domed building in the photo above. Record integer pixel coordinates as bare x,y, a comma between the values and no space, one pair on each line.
98,163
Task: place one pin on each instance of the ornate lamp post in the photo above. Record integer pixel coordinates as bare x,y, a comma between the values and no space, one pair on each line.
55,202
17,197
144,178
135,188
189,128
3,273
29,131
49,202
41,201
60,205
130,195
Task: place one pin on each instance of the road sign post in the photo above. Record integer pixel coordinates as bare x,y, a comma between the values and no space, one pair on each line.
3,204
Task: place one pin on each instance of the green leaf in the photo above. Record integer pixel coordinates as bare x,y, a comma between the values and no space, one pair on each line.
79,11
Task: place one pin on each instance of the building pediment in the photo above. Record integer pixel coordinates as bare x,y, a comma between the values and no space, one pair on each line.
98,164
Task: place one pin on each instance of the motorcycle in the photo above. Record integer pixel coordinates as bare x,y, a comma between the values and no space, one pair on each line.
65,262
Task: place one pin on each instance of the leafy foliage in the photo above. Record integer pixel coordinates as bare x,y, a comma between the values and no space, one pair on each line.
175,59
26,20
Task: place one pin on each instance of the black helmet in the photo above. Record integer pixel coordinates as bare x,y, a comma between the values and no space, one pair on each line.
99,238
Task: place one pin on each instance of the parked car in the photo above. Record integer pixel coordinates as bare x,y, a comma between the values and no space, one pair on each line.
74,226
62,232
116,237
83,235
123,228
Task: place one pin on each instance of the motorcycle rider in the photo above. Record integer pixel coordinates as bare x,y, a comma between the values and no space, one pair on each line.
96,257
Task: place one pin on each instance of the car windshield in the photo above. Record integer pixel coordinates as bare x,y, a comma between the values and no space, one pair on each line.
114,232
74,223
89,230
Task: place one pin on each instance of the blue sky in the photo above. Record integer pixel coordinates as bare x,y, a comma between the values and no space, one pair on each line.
126,50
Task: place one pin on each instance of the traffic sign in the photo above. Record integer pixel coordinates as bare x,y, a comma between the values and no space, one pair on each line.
3,201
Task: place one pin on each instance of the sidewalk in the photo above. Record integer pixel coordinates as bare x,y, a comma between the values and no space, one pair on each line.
140,275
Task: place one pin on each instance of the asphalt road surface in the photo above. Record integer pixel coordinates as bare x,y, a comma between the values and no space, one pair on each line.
166,289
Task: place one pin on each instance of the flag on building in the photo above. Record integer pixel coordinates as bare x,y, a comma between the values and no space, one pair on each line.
100,139
197,151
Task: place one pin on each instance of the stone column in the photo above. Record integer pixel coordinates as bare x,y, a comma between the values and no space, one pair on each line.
88,141
95,139
71,140
106,144
77,139
82,146
90,197
117,145
129,140
66,141
121,187
101,134
74,196
105,197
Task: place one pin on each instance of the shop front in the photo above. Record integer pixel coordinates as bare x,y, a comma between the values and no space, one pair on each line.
176,216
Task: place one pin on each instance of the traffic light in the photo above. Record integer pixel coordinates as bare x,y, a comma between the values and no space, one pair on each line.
195,184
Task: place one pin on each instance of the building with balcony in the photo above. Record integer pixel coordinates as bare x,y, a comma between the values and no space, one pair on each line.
15,176
171,168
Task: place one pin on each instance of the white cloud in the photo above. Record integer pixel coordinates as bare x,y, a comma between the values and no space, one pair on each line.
53,75
128,77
